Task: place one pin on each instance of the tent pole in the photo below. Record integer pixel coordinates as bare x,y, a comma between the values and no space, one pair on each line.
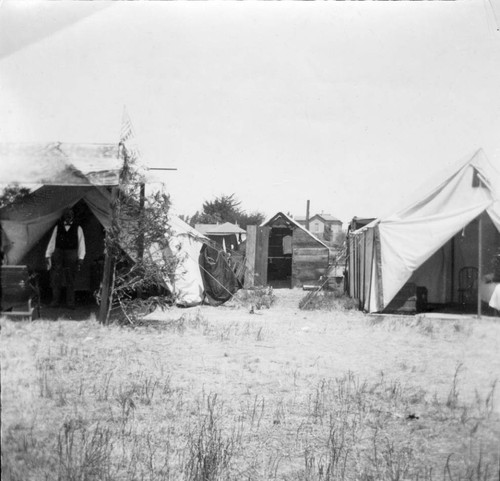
370,279
140,244
479,263
452,297
380,284
108,266
109,260
363,284
140,240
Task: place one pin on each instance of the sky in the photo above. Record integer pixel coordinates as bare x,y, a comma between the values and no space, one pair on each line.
350,105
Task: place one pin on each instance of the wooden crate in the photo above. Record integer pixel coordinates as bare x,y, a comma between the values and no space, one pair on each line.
17,292
405,301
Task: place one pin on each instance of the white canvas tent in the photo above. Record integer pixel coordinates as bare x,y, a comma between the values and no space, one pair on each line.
185,244
428,242
56,183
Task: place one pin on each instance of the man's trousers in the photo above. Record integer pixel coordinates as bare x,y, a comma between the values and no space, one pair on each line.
63,273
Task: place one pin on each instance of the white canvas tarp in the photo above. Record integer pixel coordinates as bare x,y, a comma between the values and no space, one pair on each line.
59,163
185,244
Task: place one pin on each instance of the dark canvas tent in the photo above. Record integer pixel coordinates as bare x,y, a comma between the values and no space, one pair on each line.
57,183
219,279
454,222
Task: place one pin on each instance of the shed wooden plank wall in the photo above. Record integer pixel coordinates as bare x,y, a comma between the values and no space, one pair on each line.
309,259
256,256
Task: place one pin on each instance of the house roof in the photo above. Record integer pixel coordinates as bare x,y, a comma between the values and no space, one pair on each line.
328,217
325,217
294,223
219,229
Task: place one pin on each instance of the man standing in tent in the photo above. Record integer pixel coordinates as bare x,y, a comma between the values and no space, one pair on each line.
64,257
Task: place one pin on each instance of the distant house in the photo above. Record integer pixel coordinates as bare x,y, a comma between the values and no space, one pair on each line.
323,226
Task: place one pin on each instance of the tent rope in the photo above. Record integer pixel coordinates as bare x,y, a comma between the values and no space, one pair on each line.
215,279
314,293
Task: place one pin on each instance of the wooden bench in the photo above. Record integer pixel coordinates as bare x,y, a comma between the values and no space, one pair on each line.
19,290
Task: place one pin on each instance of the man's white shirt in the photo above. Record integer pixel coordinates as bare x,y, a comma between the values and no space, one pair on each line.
81,242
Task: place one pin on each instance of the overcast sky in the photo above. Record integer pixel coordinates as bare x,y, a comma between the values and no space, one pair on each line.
349,105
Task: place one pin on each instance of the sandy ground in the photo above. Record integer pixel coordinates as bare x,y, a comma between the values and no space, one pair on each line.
311,345
283,348
55,371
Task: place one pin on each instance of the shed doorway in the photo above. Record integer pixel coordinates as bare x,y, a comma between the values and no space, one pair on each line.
279,266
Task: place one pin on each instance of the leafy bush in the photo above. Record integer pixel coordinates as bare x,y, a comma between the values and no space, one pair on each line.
12,193
136,243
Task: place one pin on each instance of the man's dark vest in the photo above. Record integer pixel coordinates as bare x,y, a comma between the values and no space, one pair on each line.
67,240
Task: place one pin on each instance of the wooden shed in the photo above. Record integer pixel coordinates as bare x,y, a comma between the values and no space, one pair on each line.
282,253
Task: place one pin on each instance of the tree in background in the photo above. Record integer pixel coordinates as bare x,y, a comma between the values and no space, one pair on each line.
12,193
225,208
222,209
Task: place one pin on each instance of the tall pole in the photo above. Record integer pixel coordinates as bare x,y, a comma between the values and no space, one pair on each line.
452,294
107,275
479,263
110,240
307,215
140,242
140,239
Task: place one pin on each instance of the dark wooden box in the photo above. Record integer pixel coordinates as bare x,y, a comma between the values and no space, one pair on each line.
17,291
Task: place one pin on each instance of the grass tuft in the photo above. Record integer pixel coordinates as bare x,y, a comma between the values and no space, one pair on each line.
254,299
210,449
84,453
327,301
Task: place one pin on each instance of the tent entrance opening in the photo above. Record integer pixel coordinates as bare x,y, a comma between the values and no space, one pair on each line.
88,279
453,277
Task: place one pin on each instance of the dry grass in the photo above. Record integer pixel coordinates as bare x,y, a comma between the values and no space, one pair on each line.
223,394
333,300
